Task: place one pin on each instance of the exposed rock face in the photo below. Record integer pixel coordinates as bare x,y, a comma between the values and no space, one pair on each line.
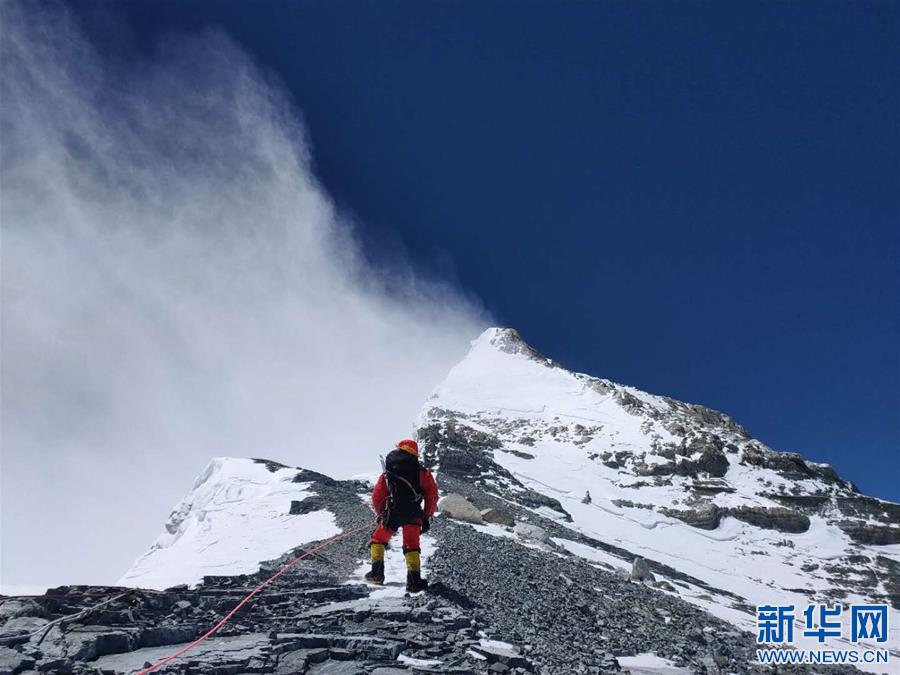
791,465
771,518
12,661
307,505
15,608
713,462
458,507
705,516
708,517
509,341
471,459
877,535
463,449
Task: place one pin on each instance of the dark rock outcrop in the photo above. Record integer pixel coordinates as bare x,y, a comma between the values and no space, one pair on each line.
467,453
865,533
705,516
773,518
714,462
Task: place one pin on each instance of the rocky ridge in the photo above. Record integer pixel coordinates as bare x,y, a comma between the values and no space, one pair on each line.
317,618
510,603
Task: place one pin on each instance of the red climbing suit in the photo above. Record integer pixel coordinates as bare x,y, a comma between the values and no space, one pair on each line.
413,525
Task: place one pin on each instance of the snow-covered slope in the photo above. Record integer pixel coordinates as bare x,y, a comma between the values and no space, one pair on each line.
735,523
237,514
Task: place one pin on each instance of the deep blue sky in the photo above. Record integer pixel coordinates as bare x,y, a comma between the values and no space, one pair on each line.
698,198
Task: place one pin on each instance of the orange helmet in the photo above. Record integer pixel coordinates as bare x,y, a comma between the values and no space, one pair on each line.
409,446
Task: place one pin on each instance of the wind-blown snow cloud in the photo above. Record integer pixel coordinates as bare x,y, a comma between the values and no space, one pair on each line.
177,286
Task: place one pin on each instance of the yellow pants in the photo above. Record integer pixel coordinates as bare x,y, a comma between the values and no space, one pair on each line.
413,558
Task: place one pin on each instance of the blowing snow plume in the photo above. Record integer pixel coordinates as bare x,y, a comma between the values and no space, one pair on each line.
175,286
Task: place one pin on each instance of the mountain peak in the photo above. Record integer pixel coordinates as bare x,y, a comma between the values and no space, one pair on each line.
508,341
642,474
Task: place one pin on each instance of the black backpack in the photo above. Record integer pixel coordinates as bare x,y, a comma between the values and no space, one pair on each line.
404,501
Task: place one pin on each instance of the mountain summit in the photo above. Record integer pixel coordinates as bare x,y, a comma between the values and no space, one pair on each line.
612,473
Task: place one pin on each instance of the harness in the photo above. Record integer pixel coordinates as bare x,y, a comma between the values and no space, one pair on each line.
417,496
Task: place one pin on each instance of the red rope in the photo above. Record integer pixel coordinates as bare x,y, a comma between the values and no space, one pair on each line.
247,597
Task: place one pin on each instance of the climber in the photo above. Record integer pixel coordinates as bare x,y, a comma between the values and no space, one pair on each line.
397,500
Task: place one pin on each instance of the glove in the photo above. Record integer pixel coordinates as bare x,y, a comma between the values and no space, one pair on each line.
426,524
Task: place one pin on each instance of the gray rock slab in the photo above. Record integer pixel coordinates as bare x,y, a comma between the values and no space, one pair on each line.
237,649
12,661
338,668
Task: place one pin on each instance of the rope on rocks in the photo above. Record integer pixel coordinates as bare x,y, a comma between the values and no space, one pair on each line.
247,597
69,594
63,619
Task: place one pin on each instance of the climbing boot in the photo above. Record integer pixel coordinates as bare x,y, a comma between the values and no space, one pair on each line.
376,574
414,580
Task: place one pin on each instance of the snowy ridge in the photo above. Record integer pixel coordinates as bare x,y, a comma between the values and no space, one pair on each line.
675,483
236,515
